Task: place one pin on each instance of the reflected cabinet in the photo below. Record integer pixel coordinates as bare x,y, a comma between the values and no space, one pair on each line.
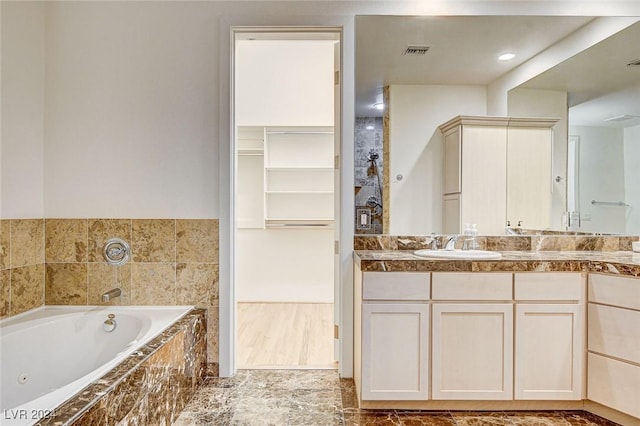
497,170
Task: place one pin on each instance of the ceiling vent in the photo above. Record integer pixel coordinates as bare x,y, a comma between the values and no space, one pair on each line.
415,50
634,63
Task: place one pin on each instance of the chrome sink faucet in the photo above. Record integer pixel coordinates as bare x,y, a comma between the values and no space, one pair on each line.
111,294
451,243
435,243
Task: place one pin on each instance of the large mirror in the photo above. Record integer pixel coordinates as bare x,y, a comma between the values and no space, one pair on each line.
413,74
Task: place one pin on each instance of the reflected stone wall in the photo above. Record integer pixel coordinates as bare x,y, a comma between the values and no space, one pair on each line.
368,175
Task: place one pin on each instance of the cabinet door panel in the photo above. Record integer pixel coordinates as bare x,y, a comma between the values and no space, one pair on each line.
396,286
614,384
484,178
557,286
549,352
472,286
614,290
395,351
472,351
529,177
614,332
452,162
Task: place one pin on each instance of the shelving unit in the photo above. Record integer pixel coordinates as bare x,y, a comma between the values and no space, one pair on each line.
298,177
285,177
250,172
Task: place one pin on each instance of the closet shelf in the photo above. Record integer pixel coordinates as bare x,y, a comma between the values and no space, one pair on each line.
250,151
298,192
298,169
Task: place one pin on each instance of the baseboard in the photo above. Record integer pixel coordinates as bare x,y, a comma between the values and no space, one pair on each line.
474,405
610,414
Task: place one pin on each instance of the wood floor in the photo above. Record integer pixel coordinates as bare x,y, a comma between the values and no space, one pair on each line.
285,336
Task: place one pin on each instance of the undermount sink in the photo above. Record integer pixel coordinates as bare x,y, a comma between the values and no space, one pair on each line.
459,254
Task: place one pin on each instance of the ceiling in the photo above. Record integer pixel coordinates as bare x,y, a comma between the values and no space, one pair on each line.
599,82
464,50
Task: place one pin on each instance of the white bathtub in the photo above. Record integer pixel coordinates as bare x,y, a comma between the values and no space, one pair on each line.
49,354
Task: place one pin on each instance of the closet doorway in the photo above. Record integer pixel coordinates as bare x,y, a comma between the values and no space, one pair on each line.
286,183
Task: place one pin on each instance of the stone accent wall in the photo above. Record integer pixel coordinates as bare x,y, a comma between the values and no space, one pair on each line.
59,262
21,265
369,178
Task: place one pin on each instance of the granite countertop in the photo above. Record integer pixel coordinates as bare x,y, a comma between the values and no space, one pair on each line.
613,262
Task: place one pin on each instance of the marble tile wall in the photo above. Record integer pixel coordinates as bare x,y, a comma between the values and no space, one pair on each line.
173,262
59,262
22,266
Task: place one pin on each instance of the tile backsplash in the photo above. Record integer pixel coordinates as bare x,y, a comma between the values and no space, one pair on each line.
21,265
59,262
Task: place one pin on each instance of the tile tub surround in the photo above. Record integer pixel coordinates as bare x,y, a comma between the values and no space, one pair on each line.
173,262
22,269
319,397
150,387
59,262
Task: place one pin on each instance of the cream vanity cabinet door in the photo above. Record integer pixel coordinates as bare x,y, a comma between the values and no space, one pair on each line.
395,336
499,169
395,347
549,330
475,152
472,340
614,342
529,173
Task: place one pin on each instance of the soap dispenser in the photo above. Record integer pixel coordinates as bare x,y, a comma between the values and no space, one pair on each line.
473,244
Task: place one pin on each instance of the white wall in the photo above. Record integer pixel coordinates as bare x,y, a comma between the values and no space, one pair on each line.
416,151
284,83
632,177
548,103
23,70
131,100
602,178
284,265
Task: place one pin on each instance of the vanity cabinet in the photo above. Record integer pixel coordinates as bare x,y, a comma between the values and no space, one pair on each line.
472,336
496,169
549,336
487,336
614,342
394,340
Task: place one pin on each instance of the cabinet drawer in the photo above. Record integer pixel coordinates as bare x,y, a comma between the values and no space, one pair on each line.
614,384
395,286
614,290
615,332
549,286
472,286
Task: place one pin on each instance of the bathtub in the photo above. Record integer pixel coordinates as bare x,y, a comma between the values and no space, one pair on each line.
49,354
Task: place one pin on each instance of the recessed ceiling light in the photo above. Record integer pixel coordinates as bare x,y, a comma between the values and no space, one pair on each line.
369,127
507,56
379,106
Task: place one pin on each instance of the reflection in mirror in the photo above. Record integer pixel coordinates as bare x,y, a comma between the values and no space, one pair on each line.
436,68
603,168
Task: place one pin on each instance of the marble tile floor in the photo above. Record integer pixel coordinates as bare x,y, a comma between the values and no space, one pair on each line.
320,397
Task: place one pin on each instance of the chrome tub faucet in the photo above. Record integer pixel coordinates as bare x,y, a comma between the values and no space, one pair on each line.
111,294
